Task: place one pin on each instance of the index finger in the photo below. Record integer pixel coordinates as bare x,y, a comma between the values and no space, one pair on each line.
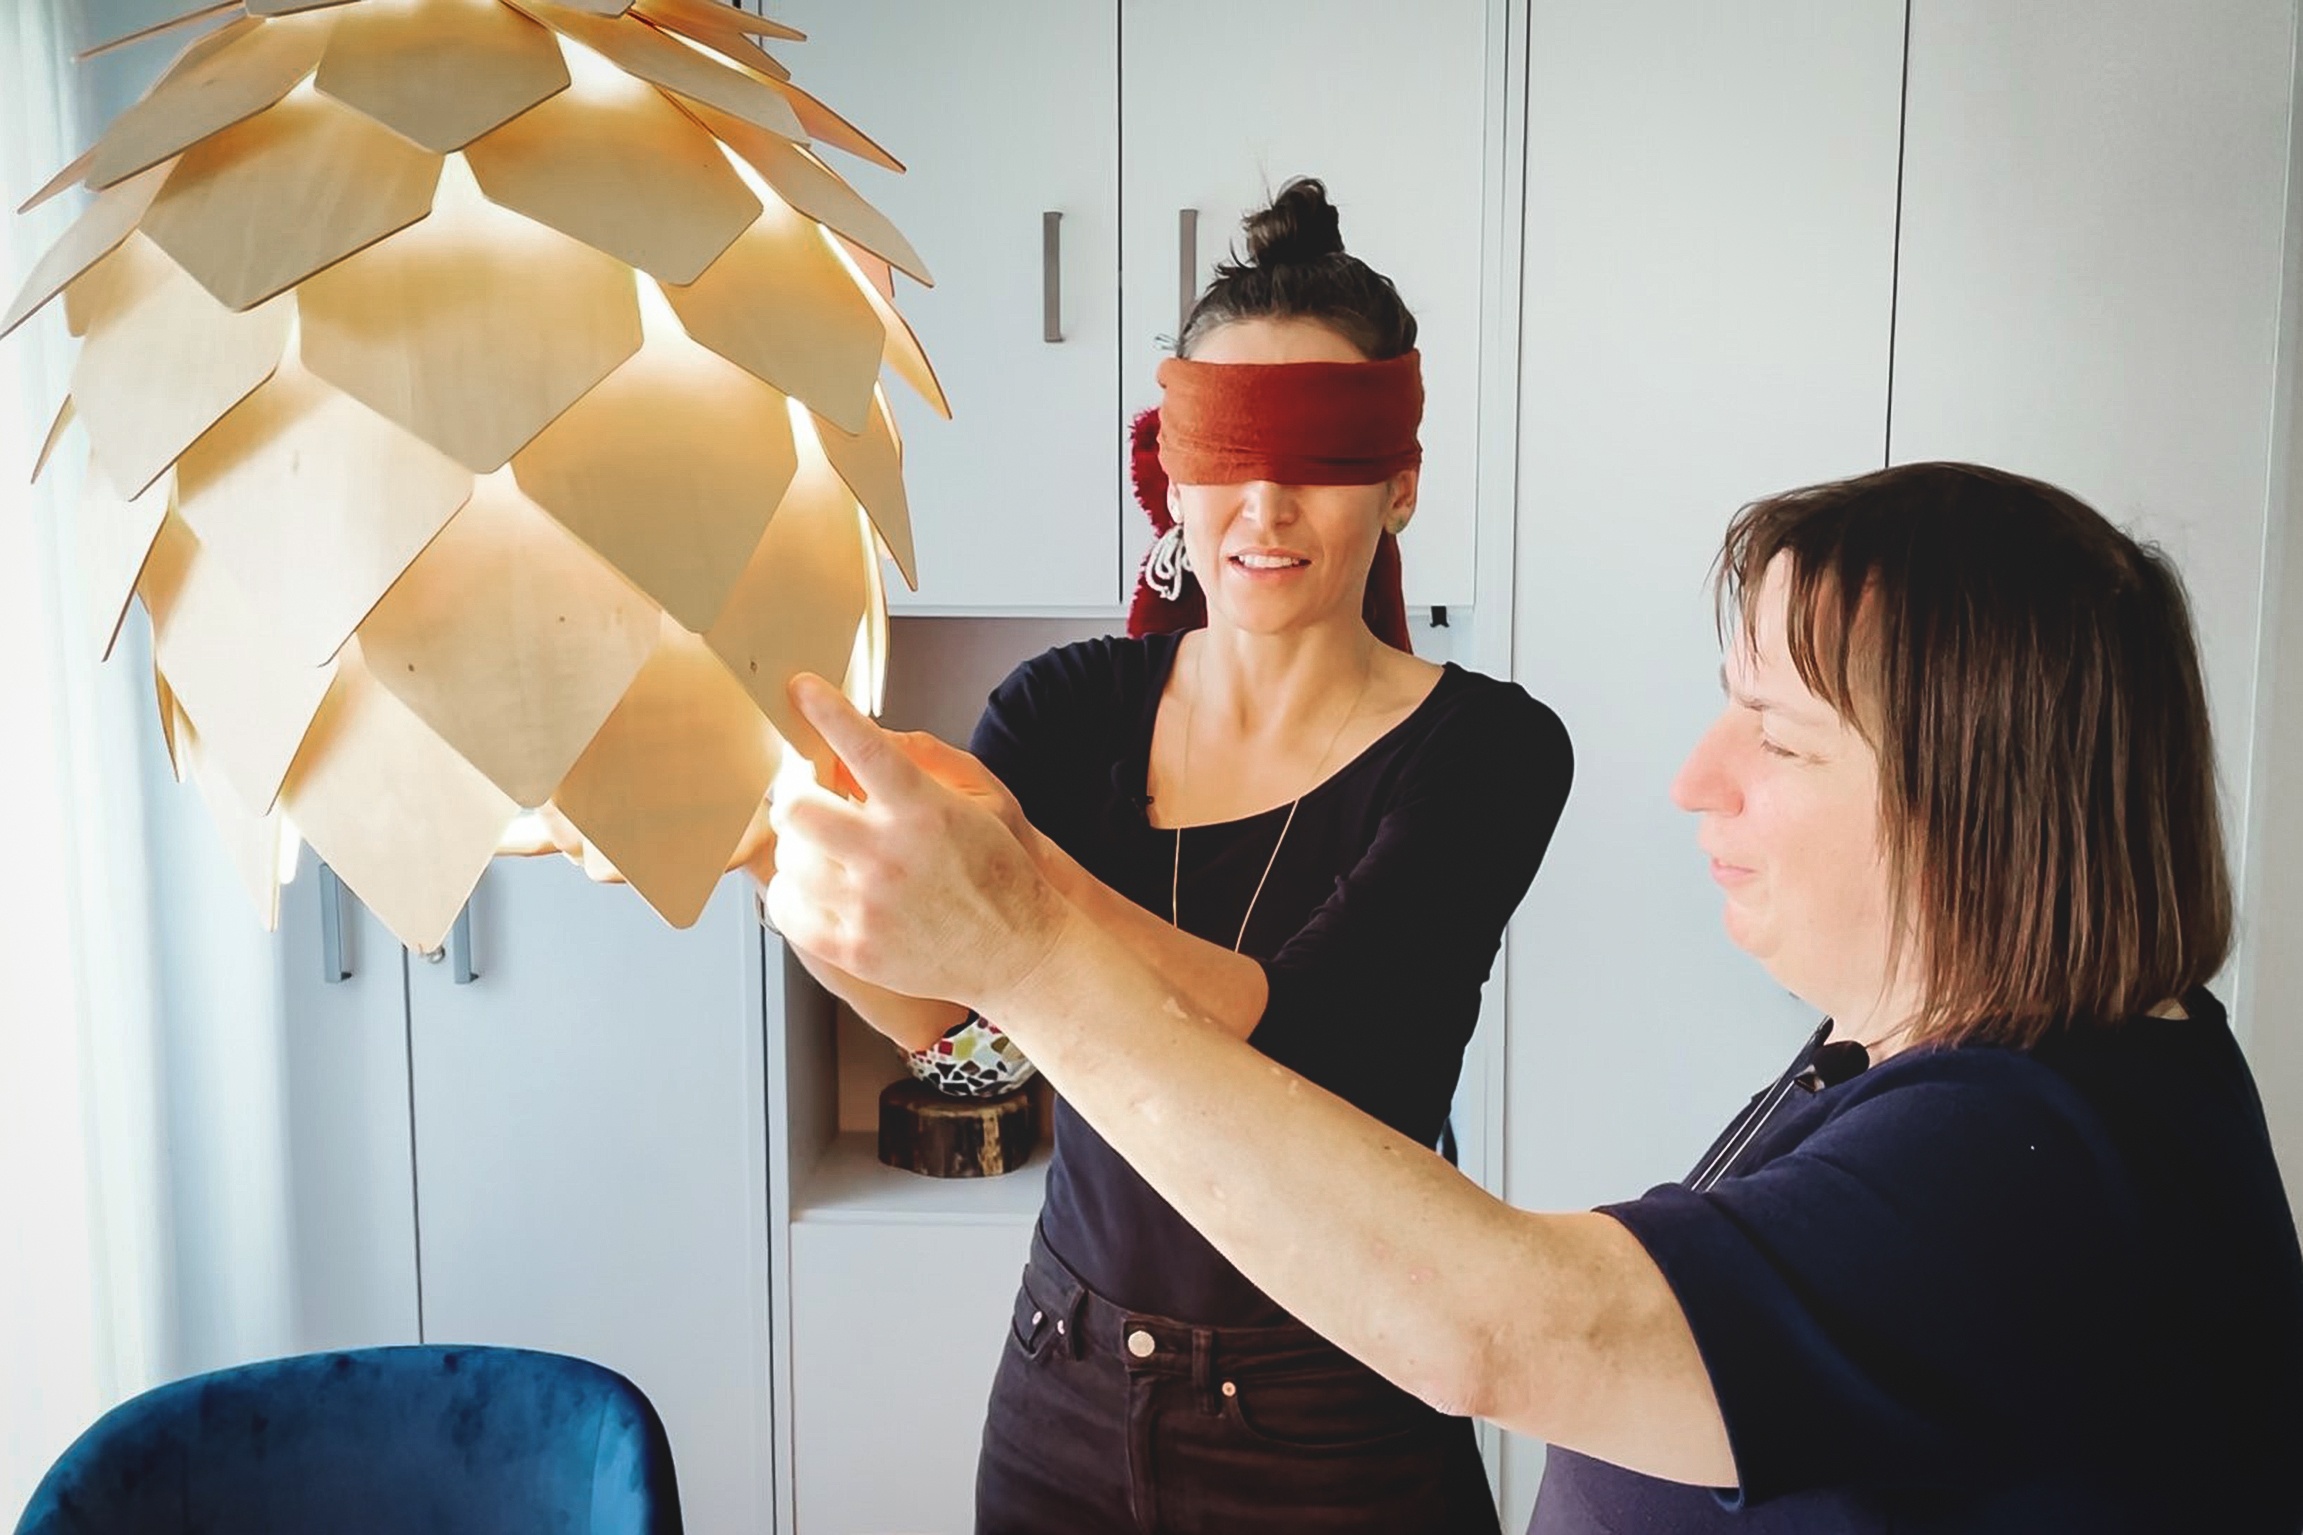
869,754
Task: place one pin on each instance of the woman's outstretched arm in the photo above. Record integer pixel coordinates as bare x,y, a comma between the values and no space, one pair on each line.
1555,1325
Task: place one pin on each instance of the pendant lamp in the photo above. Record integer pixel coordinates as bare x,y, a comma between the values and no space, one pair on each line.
484,401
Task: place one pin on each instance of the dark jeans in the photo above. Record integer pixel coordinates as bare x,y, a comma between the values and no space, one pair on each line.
1108,1420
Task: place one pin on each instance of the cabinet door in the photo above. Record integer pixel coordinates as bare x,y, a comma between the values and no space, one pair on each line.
1001,115
591,1158
899,1333
1709,278
343,986
1222,101
2094,199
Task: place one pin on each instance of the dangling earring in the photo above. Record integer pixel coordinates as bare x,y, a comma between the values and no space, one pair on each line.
1164,570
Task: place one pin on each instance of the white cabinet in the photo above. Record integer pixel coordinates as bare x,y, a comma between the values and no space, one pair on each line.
590,1146
904,1324
567,1152
1121,117
1223,102
894,1289
655,1148
1708,280
1771,245
1709,272
351,1210
2094,203
1001,115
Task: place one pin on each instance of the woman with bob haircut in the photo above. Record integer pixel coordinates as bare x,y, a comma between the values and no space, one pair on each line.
2003,1249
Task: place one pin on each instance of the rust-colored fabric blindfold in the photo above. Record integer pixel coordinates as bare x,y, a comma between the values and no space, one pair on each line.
1296,423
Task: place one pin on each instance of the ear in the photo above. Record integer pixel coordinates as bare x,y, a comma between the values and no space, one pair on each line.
1174,505
1401,510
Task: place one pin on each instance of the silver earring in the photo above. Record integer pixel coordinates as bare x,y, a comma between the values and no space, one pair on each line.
1164,570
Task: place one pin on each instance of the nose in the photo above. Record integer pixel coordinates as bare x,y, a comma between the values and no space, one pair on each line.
1264,502
1706,782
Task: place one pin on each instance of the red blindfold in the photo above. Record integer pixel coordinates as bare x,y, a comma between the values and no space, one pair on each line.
1297,423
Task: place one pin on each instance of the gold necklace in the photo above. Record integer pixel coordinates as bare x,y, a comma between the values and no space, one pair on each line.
1183,784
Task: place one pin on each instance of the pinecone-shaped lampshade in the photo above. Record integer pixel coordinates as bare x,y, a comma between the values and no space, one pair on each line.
483,399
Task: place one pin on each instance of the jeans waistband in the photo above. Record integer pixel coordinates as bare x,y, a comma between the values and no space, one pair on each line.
1149,1344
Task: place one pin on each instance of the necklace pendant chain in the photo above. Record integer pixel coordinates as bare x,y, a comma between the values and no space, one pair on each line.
1183,784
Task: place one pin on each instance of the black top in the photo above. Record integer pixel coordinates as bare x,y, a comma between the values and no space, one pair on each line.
1377,927
1981,1290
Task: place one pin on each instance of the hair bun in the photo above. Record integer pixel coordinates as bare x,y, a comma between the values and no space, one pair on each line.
1299,227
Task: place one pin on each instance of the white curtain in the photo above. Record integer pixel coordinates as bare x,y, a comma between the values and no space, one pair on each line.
83,1263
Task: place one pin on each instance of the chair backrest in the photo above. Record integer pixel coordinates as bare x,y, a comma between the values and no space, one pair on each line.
437,1440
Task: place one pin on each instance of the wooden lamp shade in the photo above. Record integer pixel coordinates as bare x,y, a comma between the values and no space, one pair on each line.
483,399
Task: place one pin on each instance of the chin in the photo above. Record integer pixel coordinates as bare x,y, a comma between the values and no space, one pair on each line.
1746,933
1272,617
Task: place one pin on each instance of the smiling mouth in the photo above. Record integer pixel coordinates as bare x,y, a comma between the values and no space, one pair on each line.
1268,562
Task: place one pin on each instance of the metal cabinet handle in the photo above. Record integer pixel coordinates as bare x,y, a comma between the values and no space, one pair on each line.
335,963
1187,267
1051,277
460,968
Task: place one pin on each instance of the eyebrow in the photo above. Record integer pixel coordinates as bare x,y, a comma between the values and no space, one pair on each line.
1759,705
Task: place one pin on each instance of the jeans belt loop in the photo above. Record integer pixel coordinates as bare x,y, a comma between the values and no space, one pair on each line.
1203,1370
1071,1327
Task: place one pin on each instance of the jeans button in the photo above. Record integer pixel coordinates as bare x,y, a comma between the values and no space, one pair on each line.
1229,1389
1140,1344
1038,1317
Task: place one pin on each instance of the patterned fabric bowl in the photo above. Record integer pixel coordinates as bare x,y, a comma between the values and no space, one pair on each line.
975,1060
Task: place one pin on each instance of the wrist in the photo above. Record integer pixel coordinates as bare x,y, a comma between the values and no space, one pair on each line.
1045,945
1058,868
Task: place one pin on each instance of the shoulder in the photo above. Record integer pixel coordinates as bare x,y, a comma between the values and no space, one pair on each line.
1486,730
1975,1109
1075,702
1991,1080
1949,1148
1093,675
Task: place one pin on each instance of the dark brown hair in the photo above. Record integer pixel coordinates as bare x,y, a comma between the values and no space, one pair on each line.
2028,677
1297,269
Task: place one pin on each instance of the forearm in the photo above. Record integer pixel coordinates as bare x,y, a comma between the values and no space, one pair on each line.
915,1023
1226,989
1557,1326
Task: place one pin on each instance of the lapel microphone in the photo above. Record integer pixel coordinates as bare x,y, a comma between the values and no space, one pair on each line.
1842,1060
1817,1066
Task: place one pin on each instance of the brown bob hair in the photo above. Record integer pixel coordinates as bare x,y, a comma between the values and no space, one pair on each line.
2028,677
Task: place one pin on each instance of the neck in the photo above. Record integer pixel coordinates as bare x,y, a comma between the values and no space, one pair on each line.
1277,684
1883,1026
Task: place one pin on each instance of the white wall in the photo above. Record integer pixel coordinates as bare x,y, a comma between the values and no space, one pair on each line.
221,1017
2271,894
52,1329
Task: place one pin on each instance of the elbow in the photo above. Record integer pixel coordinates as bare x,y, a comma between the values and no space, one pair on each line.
1500,1354
1499,1374
1472,1381
914,1033
1464,1369
912,1042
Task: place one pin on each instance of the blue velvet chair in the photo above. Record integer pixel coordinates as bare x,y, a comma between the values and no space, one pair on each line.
387,1441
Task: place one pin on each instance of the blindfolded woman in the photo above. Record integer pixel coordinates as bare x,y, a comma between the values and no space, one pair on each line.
1317,839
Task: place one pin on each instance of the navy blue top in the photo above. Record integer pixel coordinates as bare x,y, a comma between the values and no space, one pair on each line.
1376,929
1982,1290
